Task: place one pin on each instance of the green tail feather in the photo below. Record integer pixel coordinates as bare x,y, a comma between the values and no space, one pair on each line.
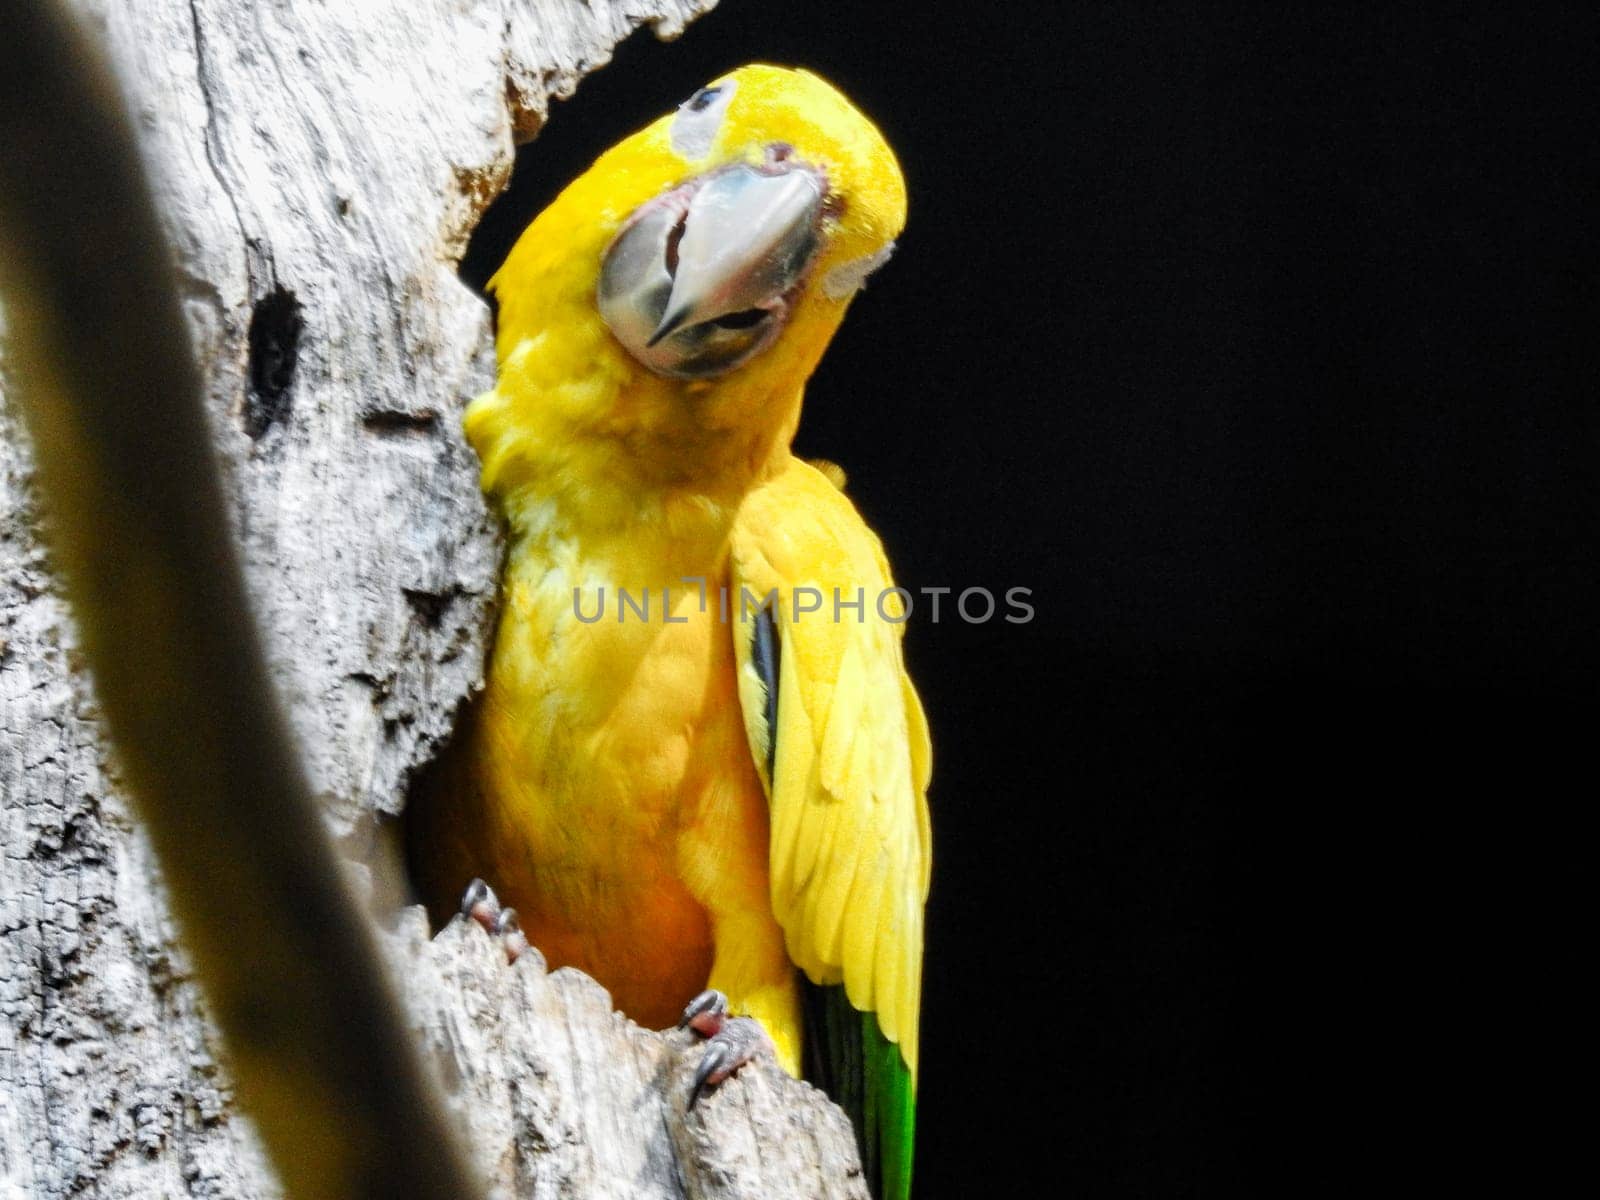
850,1059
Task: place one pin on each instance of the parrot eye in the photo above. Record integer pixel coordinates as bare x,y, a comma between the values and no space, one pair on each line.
702,99
699,117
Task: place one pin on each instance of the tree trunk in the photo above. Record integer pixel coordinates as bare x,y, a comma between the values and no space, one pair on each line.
320,167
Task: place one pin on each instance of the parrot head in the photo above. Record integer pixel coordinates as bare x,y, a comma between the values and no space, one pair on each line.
676,296
789,205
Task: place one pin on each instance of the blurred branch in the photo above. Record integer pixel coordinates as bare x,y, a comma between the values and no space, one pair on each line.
101,364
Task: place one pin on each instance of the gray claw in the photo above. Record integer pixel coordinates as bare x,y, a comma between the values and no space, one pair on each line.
509,930
481,904
739,1041
705,1013
506,922
712,1063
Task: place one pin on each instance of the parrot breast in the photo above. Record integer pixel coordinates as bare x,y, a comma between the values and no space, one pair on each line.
608,754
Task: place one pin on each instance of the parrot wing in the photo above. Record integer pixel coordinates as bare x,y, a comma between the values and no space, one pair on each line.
839,736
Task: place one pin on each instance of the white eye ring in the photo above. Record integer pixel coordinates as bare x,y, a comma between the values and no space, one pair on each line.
699,117
848,278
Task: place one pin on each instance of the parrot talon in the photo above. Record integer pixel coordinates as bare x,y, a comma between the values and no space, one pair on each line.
509,929
706,1013
739,1041
481,904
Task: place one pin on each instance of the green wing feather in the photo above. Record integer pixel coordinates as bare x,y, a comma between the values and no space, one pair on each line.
850,1059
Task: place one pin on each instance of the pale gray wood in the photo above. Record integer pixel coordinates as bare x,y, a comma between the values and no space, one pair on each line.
565,1097
326,162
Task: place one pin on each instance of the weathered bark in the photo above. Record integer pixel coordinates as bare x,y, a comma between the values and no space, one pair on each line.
565,1097
320,167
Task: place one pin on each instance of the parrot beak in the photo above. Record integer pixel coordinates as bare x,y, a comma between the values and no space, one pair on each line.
701,278
746,239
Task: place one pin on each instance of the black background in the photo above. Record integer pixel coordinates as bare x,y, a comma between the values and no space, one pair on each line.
1260,345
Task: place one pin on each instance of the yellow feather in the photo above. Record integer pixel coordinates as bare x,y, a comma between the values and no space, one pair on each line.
611,783
855,827
843,728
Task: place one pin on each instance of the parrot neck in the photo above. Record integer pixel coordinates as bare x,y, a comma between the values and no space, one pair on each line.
609,450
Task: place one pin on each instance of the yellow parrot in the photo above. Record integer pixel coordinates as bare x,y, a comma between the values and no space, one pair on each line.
698,770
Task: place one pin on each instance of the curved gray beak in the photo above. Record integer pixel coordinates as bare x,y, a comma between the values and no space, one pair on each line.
747,238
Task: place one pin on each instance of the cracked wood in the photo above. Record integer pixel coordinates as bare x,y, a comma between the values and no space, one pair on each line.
320,167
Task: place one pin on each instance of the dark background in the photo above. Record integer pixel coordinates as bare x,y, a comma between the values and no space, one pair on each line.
1260,345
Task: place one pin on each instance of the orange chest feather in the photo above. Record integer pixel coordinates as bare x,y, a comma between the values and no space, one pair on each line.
608,738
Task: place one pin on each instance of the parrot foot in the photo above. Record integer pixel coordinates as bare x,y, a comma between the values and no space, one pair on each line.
706,1013
481,904
730,1041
